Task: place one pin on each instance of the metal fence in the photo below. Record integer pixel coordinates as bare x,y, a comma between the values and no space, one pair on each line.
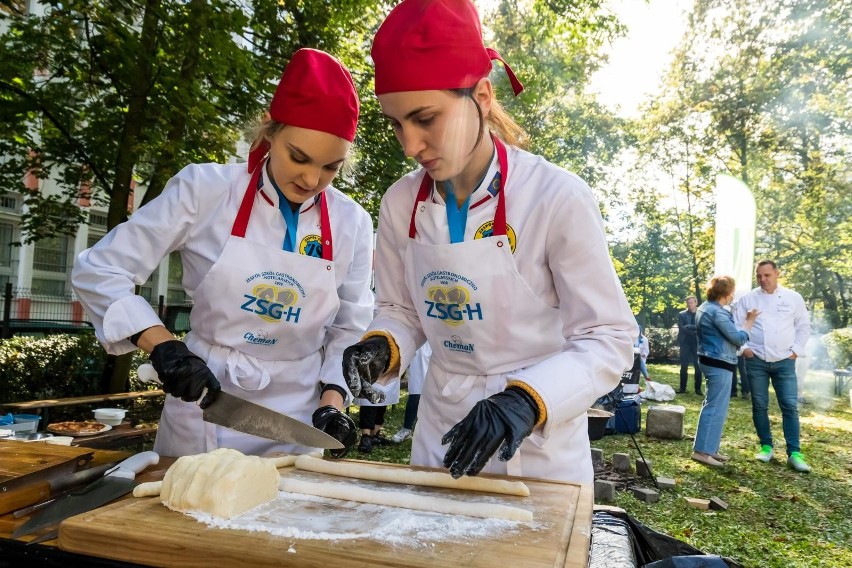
22,309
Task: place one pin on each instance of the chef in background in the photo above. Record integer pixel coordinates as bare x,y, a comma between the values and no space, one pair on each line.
495,256
276,261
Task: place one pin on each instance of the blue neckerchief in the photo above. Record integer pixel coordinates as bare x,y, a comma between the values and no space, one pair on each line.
456,216
291,218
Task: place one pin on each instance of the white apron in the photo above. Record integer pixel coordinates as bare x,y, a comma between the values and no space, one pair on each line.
417,369
483,322
259,321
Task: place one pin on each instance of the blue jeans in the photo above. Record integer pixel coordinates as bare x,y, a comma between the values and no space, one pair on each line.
714,411
783,375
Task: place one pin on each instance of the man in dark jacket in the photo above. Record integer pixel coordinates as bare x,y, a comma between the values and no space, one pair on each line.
687,340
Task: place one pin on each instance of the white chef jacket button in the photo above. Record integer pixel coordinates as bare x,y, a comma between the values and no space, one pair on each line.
328,243
422,208
499,243
328,267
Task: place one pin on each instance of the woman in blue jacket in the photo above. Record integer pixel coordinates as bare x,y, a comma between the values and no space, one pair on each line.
718,340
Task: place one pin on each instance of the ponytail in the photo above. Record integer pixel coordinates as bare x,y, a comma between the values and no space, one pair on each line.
505,127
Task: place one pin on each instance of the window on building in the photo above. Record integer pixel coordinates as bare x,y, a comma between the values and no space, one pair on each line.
7,235
146,290
8,202
176,294
48,287
94,237
51,254
98,220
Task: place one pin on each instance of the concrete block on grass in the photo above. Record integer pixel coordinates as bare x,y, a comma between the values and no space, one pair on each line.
604,490
666,483
717,504
665,421
645,494
597,456
643,467
621,463
702,504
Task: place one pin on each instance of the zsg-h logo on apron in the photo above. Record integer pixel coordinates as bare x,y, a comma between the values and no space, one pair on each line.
276,299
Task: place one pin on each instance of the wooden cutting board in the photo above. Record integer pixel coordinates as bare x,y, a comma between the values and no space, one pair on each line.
144,531
22,461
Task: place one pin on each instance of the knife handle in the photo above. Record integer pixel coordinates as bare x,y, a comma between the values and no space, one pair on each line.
23,496
148,374
134,464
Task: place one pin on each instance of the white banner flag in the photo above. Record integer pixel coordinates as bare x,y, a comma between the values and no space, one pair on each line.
735,225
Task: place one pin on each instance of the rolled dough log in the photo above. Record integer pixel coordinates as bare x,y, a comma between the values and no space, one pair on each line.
405,500
153,488
424,478
285,460
223,483
148,489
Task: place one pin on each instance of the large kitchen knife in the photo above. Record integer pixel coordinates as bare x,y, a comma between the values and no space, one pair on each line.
115,483
38,495
249,418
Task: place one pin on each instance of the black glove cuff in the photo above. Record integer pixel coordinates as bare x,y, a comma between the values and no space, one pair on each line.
134,339
335,388
526,397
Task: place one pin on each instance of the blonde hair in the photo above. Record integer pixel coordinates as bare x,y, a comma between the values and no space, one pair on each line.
505,127
266,129
719,287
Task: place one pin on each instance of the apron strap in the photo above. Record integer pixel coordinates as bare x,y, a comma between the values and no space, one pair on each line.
499,215
244,213
325,229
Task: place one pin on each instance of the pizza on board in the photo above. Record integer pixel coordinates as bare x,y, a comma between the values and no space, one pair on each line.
79,427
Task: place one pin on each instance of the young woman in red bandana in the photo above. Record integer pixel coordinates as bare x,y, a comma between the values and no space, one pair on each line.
495,256
276,260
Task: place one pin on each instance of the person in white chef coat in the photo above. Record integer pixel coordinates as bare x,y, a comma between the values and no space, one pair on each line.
495,256
276,260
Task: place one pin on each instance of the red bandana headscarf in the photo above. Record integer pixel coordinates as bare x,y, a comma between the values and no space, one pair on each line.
426,45
315,92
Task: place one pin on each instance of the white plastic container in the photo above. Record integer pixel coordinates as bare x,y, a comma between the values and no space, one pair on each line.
110,416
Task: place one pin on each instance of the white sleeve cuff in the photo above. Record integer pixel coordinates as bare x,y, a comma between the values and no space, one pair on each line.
123,318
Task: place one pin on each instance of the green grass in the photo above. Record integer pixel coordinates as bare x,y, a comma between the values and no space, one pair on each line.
776,517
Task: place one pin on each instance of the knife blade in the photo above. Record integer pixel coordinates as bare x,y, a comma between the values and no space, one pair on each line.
249,418
49,535
115,483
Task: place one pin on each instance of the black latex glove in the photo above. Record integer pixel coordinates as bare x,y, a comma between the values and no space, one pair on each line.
338,425
183,373
501,421
363,364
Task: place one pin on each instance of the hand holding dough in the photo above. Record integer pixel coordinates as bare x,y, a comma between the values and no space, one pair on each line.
424,478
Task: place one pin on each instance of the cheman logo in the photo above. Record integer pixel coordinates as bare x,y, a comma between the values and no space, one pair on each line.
455,343
487,229
450,304
269,302
311,245
259,338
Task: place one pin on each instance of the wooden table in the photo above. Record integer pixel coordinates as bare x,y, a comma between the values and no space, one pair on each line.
16,553
143,531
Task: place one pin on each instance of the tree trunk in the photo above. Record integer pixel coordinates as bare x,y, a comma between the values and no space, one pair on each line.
127,153
167,164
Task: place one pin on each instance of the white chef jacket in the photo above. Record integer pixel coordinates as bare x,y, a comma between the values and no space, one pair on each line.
783,326
561,254
194,215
